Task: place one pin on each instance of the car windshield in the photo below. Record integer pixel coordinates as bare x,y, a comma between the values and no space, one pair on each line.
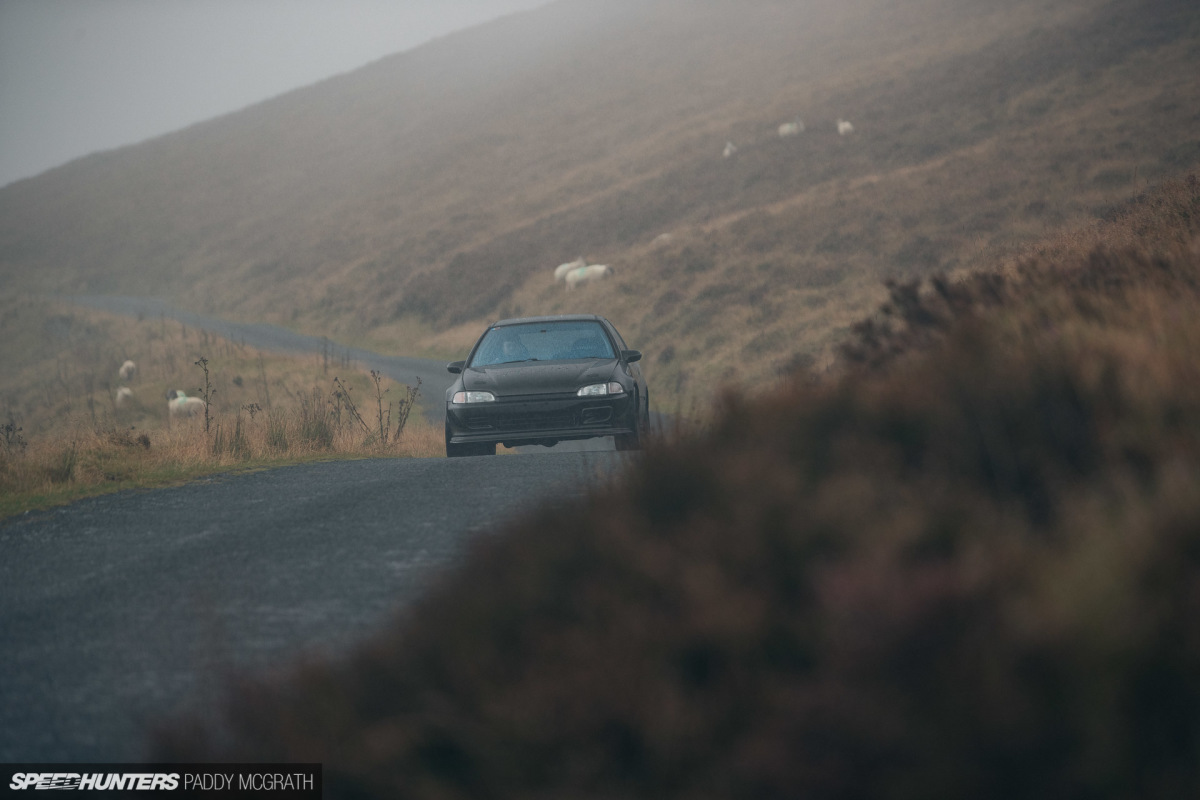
542,341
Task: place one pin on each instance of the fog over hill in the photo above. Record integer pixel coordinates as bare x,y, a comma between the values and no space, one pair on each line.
439,187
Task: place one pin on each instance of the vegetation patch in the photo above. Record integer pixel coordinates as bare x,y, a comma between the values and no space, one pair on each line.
977,129
965,566
72,432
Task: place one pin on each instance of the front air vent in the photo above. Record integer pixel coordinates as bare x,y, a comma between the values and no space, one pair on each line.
596,416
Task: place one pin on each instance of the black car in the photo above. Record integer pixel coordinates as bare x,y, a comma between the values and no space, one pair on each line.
543,380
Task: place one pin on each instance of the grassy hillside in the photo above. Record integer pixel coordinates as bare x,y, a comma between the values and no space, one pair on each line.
968,567
408,202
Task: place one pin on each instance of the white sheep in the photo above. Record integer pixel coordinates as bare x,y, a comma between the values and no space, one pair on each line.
124,396
180,405
561,270
794,128
844,128
730,149
595,272
127,371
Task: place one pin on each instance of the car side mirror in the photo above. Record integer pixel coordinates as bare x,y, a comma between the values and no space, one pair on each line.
631,356
455,367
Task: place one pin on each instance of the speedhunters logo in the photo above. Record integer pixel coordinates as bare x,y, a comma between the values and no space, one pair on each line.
99,781
277,781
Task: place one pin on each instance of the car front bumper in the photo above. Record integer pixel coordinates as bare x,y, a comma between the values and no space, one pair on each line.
537,418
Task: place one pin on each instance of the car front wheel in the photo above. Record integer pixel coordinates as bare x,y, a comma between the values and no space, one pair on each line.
631,441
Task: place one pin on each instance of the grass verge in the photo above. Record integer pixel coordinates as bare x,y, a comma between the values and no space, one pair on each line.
87,462
73,426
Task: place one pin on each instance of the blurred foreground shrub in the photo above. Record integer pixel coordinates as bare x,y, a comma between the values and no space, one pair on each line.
974,574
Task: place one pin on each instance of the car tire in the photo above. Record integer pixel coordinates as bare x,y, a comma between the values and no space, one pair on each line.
626,442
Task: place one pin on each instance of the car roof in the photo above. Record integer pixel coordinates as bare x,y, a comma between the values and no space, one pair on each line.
557,318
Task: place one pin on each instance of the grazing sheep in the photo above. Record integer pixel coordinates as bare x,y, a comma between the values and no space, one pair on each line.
730,149
180,405
595,272
124,396
844,128
127,371
791,129
561,270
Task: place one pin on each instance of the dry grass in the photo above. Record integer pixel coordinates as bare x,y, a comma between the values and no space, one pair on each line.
65,436
82,460
993,142
591,128
1098,278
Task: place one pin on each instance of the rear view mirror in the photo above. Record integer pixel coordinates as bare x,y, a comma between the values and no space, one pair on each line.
631,356
455,367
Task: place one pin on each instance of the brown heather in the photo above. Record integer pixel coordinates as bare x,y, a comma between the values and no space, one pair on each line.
967,566
1102,275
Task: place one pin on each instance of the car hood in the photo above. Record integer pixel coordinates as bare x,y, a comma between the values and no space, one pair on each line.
535,377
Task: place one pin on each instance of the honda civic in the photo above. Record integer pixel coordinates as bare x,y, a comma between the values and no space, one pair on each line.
543,380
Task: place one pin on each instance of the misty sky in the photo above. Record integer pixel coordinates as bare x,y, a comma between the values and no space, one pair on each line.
77,76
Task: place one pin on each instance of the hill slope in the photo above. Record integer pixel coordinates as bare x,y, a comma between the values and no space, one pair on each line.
439,187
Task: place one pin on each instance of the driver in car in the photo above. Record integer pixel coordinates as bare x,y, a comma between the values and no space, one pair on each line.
514,350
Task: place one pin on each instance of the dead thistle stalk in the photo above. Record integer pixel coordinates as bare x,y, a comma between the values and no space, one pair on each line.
208,391
342,394
377,376
405,407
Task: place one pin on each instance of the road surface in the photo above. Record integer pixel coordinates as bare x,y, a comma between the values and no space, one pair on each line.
121,611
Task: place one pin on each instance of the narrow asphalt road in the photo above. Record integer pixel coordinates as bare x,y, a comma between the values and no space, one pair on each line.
122,611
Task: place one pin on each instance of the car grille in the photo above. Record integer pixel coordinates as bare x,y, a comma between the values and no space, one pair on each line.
512,423
533,422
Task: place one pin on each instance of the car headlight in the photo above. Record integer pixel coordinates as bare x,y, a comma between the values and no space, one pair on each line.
601,389
461,398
